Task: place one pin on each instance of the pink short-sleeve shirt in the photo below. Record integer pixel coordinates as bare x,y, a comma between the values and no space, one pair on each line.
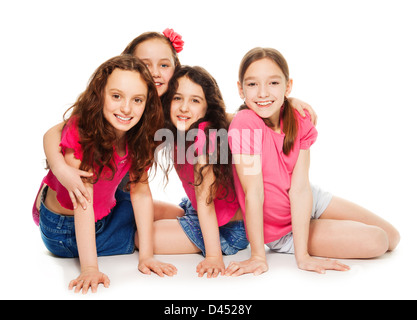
225,208
105,188
248,134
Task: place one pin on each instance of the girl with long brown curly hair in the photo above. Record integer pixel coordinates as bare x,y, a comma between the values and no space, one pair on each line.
196,140
109,133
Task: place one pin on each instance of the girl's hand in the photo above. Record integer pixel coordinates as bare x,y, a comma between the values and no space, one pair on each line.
212,266
309,263
90,277
255,265
70,178
160,268
300,106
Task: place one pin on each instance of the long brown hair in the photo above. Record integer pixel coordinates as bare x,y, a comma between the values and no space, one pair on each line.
131,47
287,116
97,136
216,118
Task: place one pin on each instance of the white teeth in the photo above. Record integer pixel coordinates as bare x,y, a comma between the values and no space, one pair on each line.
264,103
183,118
123,119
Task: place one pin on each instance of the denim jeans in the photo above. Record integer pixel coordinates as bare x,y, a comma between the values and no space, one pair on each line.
115,233
232,235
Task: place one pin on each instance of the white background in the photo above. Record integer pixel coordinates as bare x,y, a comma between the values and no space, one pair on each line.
353,61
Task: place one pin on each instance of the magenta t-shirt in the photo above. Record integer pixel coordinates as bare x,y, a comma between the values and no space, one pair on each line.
225,208
104,190
248,134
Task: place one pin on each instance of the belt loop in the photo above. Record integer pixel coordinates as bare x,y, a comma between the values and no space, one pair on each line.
60,222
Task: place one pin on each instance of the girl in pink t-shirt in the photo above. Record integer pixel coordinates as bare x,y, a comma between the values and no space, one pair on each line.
110,131
270,144
195,143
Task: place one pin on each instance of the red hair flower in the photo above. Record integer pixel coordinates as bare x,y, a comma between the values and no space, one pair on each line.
175,39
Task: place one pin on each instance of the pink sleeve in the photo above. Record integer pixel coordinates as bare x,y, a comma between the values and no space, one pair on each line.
307,132
70,139
246,133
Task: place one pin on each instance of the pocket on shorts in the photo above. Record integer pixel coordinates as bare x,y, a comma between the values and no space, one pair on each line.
233,237
56,246
58,238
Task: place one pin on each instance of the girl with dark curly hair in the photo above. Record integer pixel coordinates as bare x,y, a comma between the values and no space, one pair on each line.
196,144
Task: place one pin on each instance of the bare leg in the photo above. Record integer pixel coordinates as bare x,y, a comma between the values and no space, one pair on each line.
165,210
170,238
340,209
345,239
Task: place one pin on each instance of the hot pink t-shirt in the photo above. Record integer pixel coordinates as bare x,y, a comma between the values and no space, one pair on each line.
248,134
226,208
104,190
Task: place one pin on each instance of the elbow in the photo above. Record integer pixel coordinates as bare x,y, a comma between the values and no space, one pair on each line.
300,191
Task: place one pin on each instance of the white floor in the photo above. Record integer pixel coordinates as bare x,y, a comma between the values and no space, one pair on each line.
28,271
35,274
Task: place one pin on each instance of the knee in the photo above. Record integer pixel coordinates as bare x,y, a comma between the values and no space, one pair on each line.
378,243
394,239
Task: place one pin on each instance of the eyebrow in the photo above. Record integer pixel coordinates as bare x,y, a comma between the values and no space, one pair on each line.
121,91
270,77
149,59
192,96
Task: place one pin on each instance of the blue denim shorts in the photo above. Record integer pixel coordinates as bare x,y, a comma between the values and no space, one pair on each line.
232,235
115,233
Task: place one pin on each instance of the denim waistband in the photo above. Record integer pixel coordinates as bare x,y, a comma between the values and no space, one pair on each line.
57,218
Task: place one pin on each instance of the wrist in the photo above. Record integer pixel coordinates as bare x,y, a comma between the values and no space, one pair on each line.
299,257
259,257
145,256
90,268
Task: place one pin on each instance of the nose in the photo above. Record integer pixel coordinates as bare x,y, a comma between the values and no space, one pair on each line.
154,71
125,107
184,107
263,91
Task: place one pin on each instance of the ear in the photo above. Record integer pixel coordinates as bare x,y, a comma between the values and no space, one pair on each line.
240,88
289,88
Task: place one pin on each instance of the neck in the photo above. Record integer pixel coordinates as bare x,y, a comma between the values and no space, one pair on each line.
120,145
275,120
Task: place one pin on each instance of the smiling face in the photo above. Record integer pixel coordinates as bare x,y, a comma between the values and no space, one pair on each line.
124,100
157,56
188,104
264,89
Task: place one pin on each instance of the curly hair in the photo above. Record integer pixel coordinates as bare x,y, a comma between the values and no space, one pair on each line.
97,136
216,118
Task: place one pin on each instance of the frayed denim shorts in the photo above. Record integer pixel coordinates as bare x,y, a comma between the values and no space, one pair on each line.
232,235
115,233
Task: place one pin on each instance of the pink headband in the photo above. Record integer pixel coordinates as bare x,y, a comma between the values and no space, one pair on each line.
175,39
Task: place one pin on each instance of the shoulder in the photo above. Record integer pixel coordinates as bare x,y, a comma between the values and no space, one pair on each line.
201,138
246,119
70,138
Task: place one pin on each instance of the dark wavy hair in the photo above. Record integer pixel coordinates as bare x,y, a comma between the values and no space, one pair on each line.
97,136
216,118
